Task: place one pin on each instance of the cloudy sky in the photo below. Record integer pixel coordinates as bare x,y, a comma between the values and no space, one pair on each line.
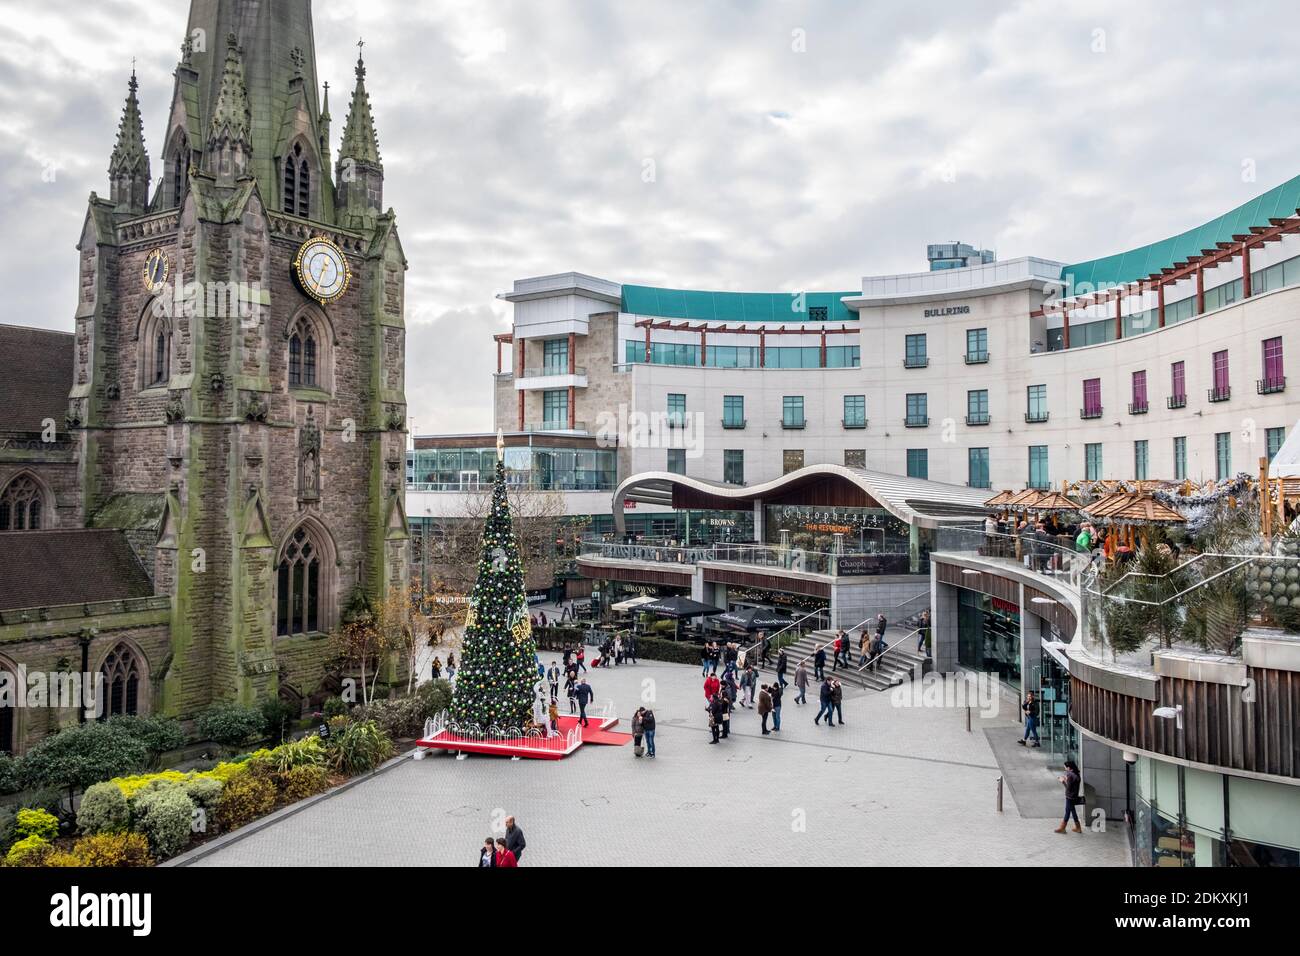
793,145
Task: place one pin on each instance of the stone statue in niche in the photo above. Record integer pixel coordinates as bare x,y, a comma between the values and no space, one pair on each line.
309,458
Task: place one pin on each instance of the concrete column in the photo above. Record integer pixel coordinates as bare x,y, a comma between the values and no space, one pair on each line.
943,625
758,520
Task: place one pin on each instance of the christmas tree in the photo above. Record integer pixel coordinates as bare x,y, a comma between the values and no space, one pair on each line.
495,685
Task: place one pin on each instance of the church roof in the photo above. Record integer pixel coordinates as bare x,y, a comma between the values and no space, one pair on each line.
35,377
74,566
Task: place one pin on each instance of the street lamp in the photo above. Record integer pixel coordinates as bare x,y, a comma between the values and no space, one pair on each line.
1165,713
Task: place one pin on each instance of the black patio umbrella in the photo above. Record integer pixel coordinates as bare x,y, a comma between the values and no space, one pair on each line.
755,619
678,607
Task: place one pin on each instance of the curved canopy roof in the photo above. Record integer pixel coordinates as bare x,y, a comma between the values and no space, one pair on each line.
928,504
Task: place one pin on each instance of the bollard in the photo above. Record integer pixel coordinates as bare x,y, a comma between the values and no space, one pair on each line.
968,718
999,794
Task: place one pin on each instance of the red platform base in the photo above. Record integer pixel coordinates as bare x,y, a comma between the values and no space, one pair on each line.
571,736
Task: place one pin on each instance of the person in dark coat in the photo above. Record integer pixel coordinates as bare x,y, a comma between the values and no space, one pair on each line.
515,841
801,683
774,691
715,708
827,704
837,698
584,693
1070,780
819,664
782,662
764,707
648,727
487,854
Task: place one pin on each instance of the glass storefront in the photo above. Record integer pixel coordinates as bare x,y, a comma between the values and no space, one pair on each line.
1190,817
904,549
1058,735
688,527
988,636
535,468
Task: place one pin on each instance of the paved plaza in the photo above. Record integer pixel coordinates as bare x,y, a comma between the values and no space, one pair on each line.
903,786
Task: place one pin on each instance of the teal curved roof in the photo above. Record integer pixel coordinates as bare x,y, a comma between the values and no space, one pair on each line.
1278,203
733,306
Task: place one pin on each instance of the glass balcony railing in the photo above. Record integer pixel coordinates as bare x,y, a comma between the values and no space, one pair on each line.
753,555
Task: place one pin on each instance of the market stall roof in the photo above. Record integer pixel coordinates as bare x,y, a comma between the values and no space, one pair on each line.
633,603
1054,501
678,607
1024,499
998,500
1132,509
755,619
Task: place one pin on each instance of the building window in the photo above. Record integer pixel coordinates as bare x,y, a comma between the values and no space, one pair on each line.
1092,461
733,466
304,366
1038,466
855,458
676,410
792,411
677,461
123,676
977,407
918,415
791,460
1222,455
977,468
297,183
1091,398
22,505
733,411
1221,390
1180,457
1036,403
1177,385
1274,379
300,599
977,346
1139,404
154,352
855,411
555,408
180,170
1140,460
915,356
918,463
1273,438
555,357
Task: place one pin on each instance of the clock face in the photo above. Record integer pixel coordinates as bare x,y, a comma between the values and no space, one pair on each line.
322,270
156,268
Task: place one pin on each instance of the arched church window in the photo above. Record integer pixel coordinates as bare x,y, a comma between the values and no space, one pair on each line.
155,351
21,505
295,359
305,355
123,676
180,170
298,585
297,183
160,358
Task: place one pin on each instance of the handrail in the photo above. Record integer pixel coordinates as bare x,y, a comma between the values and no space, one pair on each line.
897,643
745,652
858,626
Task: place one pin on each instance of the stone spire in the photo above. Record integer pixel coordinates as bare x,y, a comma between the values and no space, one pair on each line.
230,140
359,141
323,124
360,172
128,168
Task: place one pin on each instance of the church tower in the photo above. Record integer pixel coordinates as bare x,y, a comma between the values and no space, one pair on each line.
239,390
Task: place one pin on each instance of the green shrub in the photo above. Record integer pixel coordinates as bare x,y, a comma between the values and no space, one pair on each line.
28,851
9,777
205,792
400,717
60,858
303,781
360,748
246,797
39,823
113,849
663,627
307,752
158,734
277,716
435,697
334,707
229,724
103,809
75,758
674,652
165,815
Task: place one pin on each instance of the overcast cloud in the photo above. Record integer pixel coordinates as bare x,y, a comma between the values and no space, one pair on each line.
515,135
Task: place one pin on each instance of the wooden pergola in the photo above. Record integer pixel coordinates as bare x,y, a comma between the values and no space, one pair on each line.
1125,512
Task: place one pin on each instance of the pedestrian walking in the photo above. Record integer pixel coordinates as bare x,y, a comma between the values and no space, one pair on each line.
503,855
630,650
571,691
487,854
774,691
1030,709
554,714
782,662
638,731
747,682
714,708
514,840
584,694
711,686
581,657
923,634
819,663
801,683
648,727
766,643
837,698
704,660
1070,780
553,678
826,704
727,708
764,708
